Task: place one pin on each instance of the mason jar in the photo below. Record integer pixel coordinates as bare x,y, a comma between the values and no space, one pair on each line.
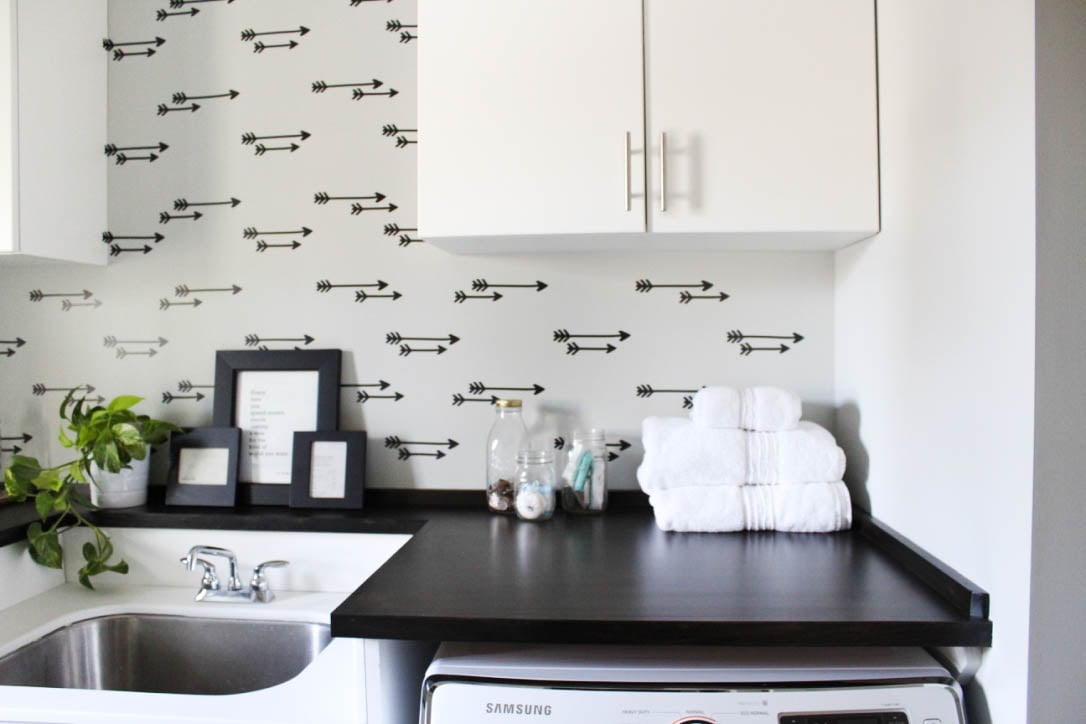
535,486
584,480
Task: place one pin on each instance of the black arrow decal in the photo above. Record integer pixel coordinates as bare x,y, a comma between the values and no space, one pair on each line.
644,285
122,54
321,197
393,441
250,232
8,352
122,353
182,3
123,158
404,454
688,402
736,336
357,209
649,391
621,445
112,341
403,142
361,296
109,237
358,94
562,335
110,45
162,14
260,149
320,86
163,109
406,240
356,3
40,389
250,138
390,129
24,437
249,34
181,98
37,295
394,26
687,297
166,217
182,290
406,37
18,341
559,442
168,397
326,286
260,46
263,245
14,449
164,304
112,148
478,388
66,304
252,340
183,204
394,229
362,397
573,348
117,249
379,384
396,338
460,296
187,386
406,349
745,349
459,399
481,285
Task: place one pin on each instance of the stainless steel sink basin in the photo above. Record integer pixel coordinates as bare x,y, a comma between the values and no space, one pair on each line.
166,654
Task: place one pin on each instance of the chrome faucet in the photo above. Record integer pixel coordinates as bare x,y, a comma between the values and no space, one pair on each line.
210,587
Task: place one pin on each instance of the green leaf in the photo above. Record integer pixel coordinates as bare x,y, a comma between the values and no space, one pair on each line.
75,470
124,402
90,553
119,567
129,437
64,439
105,453
49,479
84,578
45,546
64,403
16,487
44,502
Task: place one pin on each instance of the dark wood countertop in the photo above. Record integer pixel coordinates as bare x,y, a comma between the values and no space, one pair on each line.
472,576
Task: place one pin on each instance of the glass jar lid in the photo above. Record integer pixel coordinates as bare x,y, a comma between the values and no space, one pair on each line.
508,403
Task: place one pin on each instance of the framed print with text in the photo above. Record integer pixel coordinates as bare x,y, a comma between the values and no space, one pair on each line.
204,467
329,470
270,395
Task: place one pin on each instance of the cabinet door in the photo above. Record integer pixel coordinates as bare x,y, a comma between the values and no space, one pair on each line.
523,112
770,117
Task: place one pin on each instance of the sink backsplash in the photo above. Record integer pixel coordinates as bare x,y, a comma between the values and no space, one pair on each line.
300,154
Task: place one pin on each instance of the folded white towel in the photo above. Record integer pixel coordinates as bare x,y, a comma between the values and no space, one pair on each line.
679,453
765,409
803,508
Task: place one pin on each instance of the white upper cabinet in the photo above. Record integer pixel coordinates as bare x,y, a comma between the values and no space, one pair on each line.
52,130
767,110
524,108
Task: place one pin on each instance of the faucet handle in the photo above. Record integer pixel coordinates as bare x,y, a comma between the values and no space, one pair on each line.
258,586
210,580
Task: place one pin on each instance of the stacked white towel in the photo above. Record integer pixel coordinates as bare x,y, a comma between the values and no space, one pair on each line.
744,461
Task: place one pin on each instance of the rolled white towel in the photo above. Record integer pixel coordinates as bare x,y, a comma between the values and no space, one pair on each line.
800,508
679,453
765,409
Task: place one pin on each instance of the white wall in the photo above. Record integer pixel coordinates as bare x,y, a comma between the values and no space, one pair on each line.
1058,590
935,316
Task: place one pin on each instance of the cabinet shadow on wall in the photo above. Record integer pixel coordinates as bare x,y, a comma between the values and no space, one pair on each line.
858,464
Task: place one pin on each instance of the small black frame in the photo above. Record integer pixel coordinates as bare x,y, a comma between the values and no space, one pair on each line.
228,363
178,493
355,468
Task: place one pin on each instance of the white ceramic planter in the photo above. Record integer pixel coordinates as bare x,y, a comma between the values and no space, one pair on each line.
125,489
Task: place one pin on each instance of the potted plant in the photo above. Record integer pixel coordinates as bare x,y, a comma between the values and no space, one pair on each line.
105,438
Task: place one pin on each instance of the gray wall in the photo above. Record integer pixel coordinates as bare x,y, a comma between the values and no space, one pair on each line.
502,343
1058,586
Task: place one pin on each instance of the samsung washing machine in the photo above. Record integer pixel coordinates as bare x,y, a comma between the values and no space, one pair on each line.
507,684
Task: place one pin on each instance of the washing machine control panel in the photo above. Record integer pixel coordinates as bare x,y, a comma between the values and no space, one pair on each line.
479,702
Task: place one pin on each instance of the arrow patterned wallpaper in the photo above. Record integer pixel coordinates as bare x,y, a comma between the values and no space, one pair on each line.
261,162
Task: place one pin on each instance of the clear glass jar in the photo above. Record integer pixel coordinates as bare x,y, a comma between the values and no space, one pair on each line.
508,435
584,480
536,483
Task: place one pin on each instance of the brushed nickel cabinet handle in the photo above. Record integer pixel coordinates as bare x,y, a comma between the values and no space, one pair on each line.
627,170
663,171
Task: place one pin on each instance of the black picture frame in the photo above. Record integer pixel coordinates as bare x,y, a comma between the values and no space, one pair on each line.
230,363
204,494
354,464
